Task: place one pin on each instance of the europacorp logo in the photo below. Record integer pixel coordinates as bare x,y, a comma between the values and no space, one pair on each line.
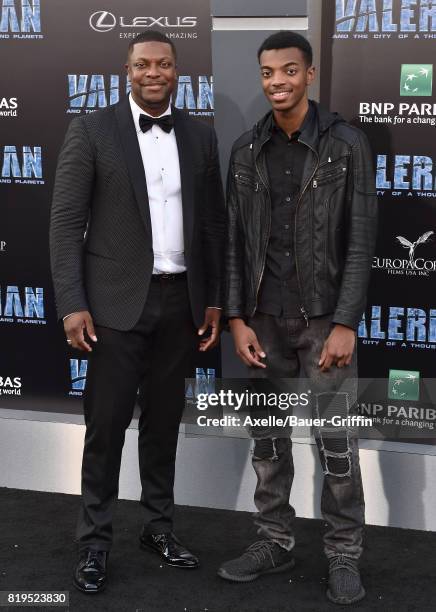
411,265
416,80
403,385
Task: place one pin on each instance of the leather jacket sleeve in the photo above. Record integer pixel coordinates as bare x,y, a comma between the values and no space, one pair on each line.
234,261
361,235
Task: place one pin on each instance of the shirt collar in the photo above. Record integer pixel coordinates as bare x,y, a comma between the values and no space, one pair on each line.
137,111
307,121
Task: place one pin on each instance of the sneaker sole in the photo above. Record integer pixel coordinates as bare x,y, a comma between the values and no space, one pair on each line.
250,577
345,601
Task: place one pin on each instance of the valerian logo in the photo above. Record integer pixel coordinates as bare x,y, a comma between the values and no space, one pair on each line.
398,326
78,371
21,165
361,19
91,92
405,175
20,19
18,308
88,93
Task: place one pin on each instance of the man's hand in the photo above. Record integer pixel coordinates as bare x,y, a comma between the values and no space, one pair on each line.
74,326
338,348
211,319
246,344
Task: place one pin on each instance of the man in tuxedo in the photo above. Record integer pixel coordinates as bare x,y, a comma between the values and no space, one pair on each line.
136,238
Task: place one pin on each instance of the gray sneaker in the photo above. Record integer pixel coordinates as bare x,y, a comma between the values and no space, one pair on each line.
345,586
262,557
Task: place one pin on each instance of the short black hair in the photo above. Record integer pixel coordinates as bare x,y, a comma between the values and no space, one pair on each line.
285,39
151,36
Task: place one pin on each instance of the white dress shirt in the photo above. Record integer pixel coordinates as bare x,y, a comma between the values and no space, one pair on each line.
160,157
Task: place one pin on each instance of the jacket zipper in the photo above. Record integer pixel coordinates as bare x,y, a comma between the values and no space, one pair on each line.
245,180
264,182
302,308
330,176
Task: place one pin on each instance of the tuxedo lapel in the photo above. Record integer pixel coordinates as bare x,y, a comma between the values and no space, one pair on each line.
185,146
129,140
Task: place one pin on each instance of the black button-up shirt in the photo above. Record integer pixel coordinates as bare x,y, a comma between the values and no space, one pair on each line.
279,292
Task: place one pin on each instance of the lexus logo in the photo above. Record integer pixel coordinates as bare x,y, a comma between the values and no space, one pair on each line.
102,21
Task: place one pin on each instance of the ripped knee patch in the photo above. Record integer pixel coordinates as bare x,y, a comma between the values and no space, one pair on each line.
265,449
336,455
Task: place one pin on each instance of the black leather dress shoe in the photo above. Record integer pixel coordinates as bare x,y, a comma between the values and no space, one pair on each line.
90,573
170,549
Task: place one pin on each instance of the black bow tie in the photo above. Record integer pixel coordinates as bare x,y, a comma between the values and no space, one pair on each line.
146,123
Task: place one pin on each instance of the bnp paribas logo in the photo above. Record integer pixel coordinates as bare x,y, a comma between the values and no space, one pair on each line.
403,385
416,80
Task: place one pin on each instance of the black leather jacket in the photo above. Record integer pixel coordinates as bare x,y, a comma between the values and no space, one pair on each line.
335,222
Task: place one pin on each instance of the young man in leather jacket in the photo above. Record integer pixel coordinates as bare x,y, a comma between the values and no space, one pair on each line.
302,215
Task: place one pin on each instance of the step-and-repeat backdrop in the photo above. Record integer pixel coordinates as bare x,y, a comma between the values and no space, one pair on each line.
61,60
377,71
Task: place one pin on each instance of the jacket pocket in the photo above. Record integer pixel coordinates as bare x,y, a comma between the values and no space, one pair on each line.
248,181
331,172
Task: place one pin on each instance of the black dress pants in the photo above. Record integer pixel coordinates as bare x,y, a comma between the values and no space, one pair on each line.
158,353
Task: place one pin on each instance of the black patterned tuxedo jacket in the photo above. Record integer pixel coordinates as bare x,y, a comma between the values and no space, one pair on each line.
100,232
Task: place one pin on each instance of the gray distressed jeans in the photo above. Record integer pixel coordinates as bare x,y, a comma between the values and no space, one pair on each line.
293,350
